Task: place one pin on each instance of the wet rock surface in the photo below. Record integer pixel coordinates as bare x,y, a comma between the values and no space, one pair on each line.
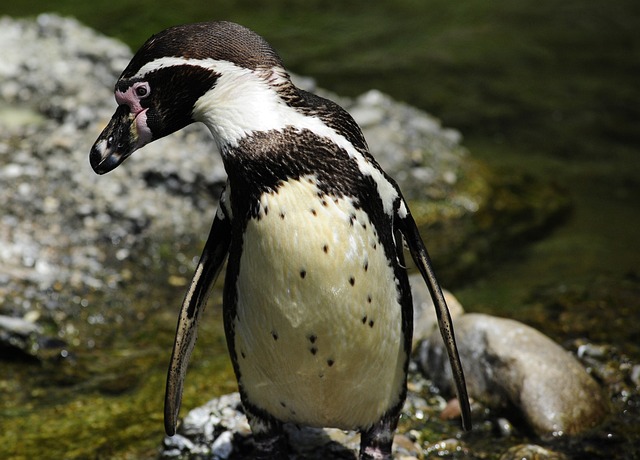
531,452
219,429
511,366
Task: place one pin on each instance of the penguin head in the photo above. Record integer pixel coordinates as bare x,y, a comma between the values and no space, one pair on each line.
173,75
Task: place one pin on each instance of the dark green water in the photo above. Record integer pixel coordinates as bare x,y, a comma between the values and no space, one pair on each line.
541,88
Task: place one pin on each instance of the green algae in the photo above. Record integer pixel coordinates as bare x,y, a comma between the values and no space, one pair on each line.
99,394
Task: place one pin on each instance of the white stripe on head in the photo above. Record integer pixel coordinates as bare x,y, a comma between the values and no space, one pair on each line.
173,61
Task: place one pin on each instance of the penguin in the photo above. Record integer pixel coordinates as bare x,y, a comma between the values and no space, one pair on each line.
317,306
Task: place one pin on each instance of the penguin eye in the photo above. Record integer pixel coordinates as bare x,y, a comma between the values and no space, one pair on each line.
142,90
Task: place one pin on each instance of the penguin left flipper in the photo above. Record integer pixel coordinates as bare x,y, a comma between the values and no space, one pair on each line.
409,229
213,256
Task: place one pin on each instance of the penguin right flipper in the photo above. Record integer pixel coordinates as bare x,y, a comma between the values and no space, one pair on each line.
421,258
213,256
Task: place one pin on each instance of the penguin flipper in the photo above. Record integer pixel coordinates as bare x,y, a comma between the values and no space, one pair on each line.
211,261
421,258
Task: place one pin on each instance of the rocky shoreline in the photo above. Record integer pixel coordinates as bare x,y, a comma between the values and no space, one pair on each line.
67,235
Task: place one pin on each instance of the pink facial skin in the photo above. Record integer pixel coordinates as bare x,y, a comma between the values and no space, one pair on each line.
132,97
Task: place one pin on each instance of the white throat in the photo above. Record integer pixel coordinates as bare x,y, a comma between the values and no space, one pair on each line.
243,102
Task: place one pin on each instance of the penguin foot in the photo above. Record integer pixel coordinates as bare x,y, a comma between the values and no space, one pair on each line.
269,438
375,453
376,442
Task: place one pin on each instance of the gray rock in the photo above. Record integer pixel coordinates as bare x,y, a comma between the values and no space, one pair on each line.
531,452
176,446
18,326
510,365
412,146
445,448
19,335
219,430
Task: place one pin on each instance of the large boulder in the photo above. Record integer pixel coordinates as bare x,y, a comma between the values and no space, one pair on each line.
511,366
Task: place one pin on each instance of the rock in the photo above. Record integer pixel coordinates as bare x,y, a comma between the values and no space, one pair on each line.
57,81
635,375
219,429
432,151
531,452
446,448
509,365
17,326
18,336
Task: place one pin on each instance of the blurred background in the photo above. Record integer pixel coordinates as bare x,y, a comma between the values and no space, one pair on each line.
541,90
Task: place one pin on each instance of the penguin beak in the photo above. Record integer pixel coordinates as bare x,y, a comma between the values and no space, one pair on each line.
126,132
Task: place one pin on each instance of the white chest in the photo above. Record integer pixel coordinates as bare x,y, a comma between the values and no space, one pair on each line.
318,333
